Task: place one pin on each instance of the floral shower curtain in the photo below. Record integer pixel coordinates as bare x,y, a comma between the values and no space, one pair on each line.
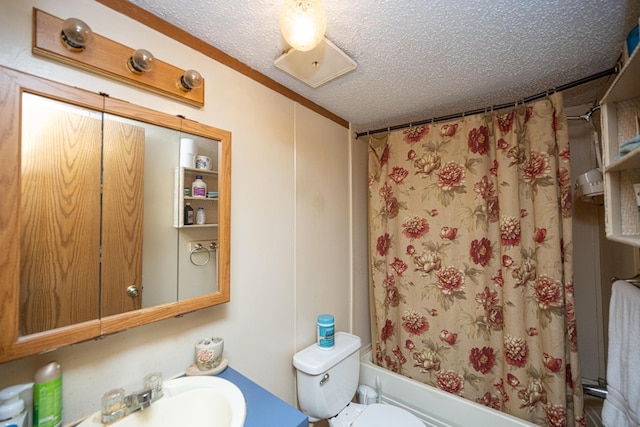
471,260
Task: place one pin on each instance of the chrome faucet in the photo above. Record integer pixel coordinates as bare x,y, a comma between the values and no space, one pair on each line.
138,400
115,405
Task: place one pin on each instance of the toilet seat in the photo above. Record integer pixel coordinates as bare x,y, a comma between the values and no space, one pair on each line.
380,415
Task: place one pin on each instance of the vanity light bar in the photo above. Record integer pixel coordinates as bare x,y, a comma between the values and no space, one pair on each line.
111,59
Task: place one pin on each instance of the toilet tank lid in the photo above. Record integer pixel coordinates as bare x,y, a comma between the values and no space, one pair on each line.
314,361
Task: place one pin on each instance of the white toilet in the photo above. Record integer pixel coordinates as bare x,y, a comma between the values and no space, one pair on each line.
327,382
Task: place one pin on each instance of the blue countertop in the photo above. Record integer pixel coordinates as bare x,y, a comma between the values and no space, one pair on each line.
263,408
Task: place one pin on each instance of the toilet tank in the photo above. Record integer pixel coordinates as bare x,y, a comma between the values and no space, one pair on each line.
327,379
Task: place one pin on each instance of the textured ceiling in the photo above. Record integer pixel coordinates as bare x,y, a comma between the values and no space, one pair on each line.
419,59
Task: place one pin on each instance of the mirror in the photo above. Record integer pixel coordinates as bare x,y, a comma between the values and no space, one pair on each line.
60,212
96,203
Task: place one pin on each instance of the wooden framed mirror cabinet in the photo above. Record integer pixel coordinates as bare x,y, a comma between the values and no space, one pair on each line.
92,237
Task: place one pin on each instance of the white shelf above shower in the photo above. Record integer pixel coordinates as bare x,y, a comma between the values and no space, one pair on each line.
620,107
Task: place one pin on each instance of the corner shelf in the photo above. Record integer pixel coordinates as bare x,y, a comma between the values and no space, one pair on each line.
620,105
183,178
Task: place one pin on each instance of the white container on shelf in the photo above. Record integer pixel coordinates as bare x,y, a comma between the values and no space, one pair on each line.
188,152
199,187
200,217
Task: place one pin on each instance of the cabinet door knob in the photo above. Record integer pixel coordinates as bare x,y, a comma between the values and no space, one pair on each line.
133,291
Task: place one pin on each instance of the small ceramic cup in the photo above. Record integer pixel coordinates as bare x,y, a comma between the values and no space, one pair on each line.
203,162
209,353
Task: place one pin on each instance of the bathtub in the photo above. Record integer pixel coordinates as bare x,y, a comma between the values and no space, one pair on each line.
433,406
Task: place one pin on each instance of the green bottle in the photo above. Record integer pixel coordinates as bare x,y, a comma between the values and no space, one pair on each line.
47,396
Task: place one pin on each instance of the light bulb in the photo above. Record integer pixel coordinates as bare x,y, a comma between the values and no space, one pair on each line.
303,23
191,79
141,61
75,34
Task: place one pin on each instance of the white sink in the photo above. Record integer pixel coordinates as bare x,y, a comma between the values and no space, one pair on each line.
187,401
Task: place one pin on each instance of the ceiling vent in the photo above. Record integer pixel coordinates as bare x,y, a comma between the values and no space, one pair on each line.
318,66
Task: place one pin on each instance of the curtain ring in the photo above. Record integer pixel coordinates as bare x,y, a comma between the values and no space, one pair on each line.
197,248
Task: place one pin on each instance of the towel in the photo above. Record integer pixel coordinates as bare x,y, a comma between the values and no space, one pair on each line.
622,405
628,146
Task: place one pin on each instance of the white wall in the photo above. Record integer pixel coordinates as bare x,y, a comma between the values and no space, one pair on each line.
322,199
298,222
586,254
595,259
359,234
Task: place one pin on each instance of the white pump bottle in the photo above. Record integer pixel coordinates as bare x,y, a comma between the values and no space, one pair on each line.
12,412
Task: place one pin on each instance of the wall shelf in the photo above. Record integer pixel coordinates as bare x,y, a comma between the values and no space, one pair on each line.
201,199
183,179
629,161
620,107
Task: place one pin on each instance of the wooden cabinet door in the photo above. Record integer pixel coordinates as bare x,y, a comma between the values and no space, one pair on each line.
122,216
59,215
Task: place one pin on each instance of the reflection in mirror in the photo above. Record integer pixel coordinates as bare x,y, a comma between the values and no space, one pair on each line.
60,215
86,253
97,208
158,271
198,243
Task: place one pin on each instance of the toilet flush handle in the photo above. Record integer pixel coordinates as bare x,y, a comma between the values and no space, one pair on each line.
324,379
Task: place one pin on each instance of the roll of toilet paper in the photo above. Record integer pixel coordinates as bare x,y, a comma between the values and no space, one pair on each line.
188,145
187,160
208,353
188,152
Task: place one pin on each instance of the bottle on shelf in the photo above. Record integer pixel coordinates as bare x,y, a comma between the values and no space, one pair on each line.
188,214
200,216
199,187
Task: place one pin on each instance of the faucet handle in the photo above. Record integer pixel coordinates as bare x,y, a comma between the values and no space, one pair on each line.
113,405
153,381
143,399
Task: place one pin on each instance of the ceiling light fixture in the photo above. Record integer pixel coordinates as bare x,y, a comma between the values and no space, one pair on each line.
303,23
316,67
75,34
191,79
141,61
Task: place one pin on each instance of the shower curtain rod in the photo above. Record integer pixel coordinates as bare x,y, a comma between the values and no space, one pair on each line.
573,84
